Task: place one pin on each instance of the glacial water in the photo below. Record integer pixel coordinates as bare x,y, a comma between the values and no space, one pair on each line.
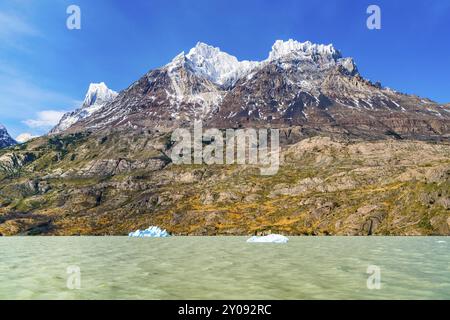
223,268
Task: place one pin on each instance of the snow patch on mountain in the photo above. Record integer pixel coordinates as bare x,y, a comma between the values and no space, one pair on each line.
96,97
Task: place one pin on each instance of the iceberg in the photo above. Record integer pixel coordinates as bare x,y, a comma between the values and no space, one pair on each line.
151,232
271,238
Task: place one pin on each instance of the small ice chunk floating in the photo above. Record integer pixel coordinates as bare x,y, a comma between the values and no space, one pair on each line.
151,232
271,238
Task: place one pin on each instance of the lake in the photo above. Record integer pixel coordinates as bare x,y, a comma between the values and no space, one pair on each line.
224,268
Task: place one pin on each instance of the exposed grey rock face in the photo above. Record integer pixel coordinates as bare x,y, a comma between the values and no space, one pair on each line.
11,162
299,84
111,167
5,138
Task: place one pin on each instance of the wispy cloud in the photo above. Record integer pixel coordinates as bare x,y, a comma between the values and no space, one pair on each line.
24,92
45,119
24,137
27,103
14,28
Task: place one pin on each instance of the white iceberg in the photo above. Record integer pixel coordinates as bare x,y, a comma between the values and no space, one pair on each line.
151,232
271,238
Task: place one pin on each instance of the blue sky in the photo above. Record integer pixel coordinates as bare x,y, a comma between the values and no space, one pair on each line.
45,68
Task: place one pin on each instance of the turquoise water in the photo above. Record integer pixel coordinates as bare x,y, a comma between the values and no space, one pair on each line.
223,268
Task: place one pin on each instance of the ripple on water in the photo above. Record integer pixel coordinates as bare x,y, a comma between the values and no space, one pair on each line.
224,268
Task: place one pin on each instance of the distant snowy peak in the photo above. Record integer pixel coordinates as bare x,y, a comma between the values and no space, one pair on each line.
211,63
97,96
98,93
5,138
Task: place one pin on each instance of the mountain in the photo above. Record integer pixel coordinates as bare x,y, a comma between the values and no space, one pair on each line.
96,97
5,138
300,84
356,158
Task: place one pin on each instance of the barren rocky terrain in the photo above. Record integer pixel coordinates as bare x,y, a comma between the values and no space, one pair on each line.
83,184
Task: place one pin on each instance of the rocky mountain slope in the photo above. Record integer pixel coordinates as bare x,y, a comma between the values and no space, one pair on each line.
5,138
298,84
117,181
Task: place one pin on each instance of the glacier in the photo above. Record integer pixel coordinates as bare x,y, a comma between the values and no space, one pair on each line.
151,232
271,238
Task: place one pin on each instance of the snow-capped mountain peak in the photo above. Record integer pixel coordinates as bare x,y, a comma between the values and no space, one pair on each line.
5,138
215,65
203,50
98,93
96,97
224,69
303,50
